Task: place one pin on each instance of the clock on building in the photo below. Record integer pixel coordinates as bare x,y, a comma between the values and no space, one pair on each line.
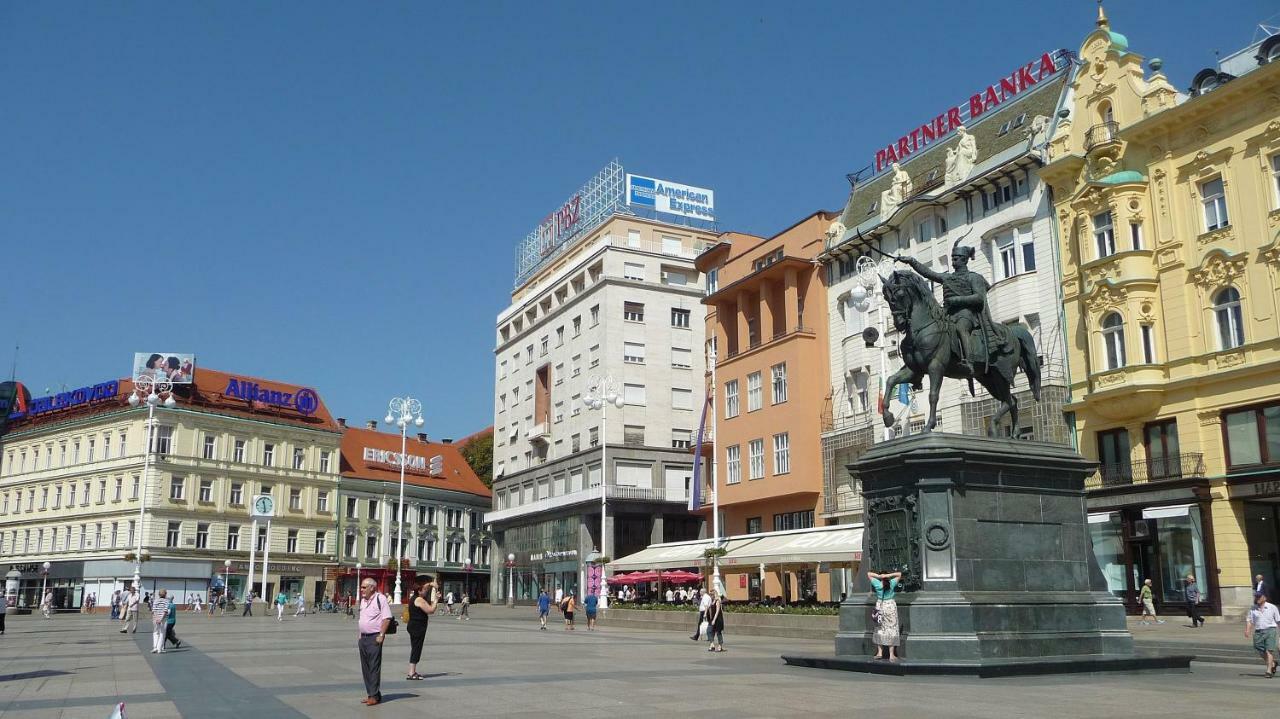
264,505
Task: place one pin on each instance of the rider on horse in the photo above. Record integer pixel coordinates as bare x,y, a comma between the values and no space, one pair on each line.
964,298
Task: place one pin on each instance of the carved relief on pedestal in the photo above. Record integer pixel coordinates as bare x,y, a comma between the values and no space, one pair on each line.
1106,296
1111,379
1218,269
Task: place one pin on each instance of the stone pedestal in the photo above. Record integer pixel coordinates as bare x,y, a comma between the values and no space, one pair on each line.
998,570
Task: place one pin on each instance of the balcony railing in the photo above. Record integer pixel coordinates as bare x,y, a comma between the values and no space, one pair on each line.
755,342
708,437
927,180
590,494
1101,133
1161,469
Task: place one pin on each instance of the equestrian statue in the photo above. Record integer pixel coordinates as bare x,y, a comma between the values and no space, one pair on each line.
957,339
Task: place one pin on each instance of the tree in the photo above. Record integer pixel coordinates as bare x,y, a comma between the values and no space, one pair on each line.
479,454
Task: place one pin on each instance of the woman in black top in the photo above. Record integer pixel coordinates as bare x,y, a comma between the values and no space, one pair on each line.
421,603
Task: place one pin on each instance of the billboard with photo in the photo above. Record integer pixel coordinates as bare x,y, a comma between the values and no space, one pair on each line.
173,367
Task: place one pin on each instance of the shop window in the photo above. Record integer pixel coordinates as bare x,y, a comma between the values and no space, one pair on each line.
1253,436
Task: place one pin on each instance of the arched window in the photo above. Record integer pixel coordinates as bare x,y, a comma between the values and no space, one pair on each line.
1104,113
1226,309
1113,340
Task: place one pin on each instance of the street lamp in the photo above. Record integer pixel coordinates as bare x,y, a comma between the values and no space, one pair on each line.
466,584
44,587
153,386
358,579
226,586
602,392
402,411
511,580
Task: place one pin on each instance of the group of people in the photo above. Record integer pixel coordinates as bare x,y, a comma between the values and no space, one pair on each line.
567,605
710,620
375,623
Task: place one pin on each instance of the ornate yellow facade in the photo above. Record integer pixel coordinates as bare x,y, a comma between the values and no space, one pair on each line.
1168,209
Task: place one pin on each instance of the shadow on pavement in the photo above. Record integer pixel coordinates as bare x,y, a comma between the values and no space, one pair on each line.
33,675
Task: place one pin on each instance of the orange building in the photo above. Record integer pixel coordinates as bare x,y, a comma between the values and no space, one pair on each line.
767,324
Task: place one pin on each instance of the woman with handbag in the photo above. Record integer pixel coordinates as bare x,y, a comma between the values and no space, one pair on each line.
885,586
421,604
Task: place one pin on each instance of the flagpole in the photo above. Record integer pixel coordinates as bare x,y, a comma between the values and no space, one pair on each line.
715,487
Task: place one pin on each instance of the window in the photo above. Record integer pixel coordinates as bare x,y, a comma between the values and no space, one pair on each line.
102,491
62,455
163,444
713,276
1164,460
233,537
44,498
322,502
1113,455
351,507
1104,235
71,499
1226,309
57,499
265,489
324,461
128,541
559,412
1007,257
502,369
681,398
781,453
681,358
633,352
92,444
593,434
542,346
779,373
238,453
1135,235
528,357
633,435
170,537
1113,340
633,271
237,494
48,453
299,457
793,520
753,525
176,485
680,318
1148,344
116,495
321,542
261,540
755,393
371,547
268,454
1275,174
137,487
202,535
675,278
122,441
373,511
731,398
115,534
1214,198
75,454
577,325
755,458
206,490
1253,436
291,542
295,499
633,394
633,238
210,447
594,354
559,336
671,245
733,464
595,315
633,311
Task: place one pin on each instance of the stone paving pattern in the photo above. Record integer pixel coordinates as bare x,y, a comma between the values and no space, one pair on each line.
499,664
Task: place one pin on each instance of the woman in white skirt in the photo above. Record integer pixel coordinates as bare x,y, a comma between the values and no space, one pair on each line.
885,586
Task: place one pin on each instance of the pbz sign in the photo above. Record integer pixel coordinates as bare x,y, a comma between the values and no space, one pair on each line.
304,401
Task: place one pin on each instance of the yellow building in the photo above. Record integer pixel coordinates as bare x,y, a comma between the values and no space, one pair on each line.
1168,207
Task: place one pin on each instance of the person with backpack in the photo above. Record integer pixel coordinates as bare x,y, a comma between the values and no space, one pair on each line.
373,625
567,605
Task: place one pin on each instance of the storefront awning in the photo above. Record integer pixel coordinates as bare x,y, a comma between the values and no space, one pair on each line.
811,546
1179,510
674,555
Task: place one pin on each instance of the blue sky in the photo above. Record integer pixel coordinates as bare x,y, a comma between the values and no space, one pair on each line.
331,193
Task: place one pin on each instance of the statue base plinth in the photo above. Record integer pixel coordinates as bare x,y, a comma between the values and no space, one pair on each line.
998,569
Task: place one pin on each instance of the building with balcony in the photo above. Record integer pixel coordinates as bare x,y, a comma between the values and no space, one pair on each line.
976,184
619,297
443,534
766,320
1168,206
73,490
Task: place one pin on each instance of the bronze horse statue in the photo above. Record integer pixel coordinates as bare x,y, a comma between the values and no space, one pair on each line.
931,346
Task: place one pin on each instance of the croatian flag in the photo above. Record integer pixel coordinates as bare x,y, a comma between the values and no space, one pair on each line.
695,492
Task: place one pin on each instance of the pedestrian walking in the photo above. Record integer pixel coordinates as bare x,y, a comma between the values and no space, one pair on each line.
196,604
465,604
1148,604
46,605
1192,595
115,604
375,616
170,626
1260,625
448,602
146,599
567,605
301,606
544,608
422,604
704,603
1260,586
590,604
129,610
884,587
281,600
4,609
248,605
715,623
159,621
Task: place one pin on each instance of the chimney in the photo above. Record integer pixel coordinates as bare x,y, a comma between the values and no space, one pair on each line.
422,436
371,424
342,422
447,440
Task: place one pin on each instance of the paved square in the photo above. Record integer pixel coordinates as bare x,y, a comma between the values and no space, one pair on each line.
500,664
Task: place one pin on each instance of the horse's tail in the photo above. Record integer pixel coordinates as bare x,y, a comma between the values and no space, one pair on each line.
1030,359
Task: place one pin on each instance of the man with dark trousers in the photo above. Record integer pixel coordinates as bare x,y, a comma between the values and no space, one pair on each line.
375,616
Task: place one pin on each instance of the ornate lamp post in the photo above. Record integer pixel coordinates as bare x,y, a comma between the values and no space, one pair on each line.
44,587
155,388
602,392
511,580
402,411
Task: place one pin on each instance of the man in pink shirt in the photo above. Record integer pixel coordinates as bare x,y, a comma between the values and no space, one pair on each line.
375,615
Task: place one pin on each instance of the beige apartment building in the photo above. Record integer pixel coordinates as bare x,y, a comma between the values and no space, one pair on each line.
74,491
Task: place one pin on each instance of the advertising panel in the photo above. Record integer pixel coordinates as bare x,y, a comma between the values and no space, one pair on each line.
671,198
171,367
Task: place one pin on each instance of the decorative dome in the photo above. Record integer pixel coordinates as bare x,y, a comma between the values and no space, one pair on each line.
1119,42
1123,177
